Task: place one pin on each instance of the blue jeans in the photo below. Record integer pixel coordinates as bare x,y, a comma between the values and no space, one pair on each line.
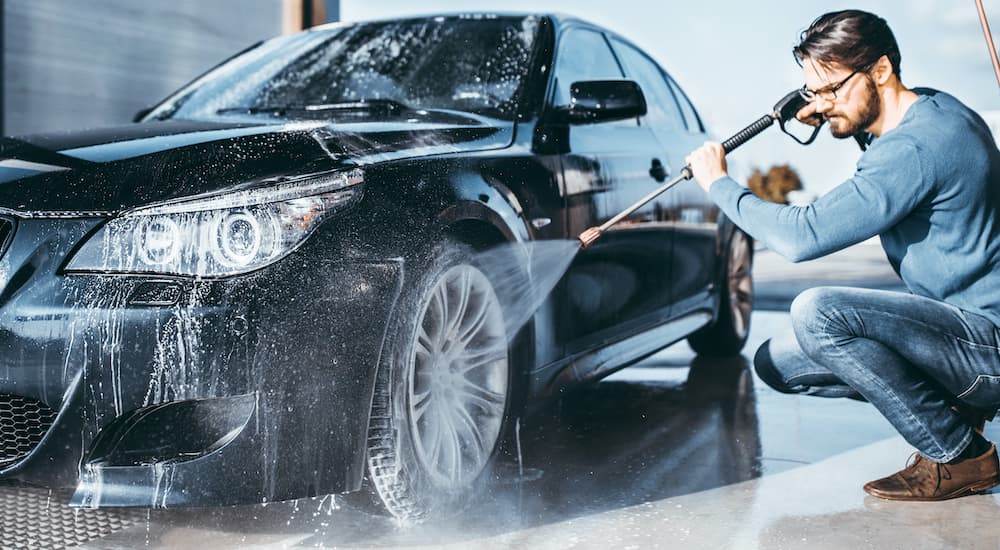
912,357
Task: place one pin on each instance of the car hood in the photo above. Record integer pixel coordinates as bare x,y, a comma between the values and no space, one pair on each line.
101,171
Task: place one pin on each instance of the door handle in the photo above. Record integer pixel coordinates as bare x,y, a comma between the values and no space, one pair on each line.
658,171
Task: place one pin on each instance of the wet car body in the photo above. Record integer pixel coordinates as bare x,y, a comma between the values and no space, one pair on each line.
167,389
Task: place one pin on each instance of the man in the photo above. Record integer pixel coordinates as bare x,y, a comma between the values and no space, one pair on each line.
929,186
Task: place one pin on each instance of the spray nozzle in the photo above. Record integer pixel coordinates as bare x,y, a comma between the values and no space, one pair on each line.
786,108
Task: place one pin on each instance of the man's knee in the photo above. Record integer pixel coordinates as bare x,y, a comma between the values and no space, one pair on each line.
812,304
821,312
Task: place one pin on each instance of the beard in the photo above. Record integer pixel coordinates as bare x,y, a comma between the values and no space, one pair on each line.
871,108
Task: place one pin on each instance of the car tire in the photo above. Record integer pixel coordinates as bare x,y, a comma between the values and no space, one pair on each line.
443,391
728,333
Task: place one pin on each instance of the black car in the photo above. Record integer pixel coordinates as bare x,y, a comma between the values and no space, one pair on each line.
273,285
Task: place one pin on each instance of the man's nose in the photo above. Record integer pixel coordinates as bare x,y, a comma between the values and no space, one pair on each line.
823,105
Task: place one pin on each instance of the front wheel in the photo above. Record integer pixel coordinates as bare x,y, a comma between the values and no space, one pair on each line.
728,334
442,397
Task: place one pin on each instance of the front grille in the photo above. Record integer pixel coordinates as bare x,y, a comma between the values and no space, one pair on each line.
6,232
23,423
37,519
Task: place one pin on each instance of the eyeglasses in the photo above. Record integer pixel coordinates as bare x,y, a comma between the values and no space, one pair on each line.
828,93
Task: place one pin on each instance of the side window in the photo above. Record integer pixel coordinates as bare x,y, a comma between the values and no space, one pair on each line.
690,115
663,110
583,55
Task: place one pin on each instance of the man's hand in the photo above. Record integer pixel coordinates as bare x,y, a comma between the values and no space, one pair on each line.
808,115
708,163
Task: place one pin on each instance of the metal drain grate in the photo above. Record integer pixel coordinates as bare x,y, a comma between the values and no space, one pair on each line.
39,519
23,423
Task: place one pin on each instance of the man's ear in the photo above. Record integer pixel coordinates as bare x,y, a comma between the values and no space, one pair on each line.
882,70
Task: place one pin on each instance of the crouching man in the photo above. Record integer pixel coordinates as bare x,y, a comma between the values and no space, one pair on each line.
929,186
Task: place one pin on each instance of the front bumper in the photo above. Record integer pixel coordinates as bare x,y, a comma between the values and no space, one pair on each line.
171,392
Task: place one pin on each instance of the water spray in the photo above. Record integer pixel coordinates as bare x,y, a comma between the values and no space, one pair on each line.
784,110
522,293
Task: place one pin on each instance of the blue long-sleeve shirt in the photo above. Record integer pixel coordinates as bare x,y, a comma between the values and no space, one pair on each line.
930,188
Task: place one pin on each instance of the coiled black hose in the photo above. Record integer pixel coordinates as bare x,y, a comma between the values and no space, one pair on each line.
746,134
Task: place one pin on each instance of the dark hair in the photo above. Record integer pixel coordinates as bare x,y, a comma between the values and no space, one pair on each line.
853,38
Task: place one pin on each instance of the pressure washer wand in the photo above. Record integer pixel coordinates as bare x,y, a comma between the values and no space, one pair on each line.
783,111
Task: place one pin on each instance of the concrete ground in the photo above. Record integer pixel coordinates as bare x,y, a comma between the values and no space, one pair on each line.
676,452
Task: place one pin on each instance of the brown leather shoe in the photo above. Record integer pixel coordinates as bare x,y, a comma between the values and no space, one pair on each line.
925,479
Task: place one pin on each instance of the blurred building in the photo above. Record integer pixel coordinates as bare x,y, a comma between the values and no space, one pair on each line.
68,64
993,119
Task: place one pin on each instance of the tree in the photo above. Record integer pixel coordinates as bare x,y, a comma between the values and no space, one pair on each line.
776,184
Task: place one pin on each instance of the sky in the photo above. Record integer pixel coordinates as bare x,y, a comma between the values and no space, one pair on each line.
734,58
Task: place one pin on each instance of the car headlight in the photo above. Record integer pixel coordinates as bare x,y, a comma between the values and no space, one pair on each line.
219,235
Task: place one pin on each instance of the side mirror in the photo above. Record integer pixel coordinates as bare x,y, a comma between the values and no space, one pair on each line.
602,101
141,113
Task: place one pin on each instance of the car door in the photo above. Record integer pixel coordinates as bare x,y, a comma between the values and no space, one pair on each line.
616,286
685,211
695,253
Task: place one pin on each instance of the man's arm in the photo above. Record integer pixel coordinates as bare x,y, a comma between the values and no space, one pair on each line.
889,183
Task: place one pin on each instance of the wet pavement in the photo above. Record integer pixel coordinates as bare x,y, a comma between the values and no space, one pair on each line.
679,451
777,281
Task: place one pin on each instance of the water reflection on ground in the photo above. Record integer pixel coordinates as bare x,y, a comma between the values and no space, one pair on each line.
612,445
677,451
690,450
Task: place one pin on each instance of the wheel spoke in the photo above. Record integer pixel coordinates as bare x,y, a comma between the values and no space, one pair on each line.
740,324
740,259
432,444
424,344
435,314
476,435
455,450
472,359
488,400
421,403
745,286
476,325
739,243
465,289
742,296
442,298
742,272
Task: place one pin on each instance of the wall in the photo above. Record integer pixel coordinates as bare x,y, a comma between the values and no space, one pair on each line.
69,64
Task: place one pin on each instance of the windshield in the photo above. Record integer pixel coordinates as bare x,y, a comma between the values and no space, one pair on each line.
452,63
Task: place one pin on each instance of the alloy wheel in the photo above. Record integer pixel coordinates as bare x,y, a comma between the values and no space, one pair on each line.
740,279
458,377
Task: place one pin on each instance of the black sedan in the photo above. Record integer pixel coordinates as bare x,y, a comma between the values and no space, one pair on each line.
273,285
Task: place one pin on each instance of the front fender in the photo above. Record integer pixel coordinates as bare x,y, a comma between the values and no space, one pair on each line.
492,204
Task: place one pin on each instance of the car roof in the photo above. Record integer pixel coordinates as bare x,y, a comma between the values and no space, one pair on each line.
558,18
